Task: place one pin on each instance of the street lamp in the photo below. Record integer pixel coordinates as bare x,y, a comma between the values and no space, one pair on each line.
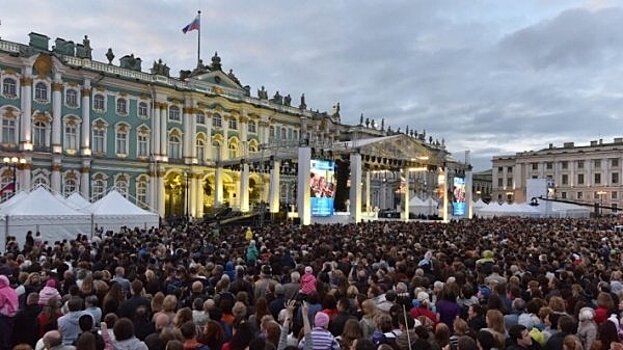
601,200
186,178
12,163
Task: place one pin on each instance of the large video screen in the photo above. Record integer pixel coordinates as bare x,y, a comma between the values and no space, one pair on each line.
322,187
458,194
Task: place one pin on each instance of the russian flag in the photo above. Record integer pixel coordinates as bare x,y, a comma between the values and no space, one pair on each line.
194,25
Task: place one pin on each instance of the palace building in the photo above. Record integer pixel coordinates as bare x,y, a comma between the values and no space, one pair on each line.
178,145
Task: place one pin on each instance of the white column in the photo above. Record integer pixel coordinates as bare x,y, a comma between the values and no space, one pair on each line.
85,135
57,122
84,180
368,207
199,195
218,187
56,175
188,135
155,129
152,199
225,147
24,182
160,189
445,195
273,190
244,188
164,134
303,199
355,187
25,139
407,190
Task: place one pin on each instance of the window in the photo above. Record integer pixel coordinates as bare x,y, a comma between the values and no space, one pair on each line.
71,136
9,87
615,178
175,151
271,132
201,118
8,131
535,166
565,164
217,121
122,185
122,106
200,150
509,182
233,150
283,133
122,140
71,184
580,179
142,139
71,98
597,163
597,179
174,114
39,134
233,124
580,164
41,92
563,195
216,149
596,195
509,169
565,179
296,134
251,127
289,134
98,188
500,182
99,102
142,110
614,195
579,195
141,192
549,165
614,207
99,140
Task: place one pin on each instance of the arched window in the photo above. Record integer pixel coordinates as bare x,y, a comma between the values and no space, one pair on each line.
141,192
71,135
39,134
121,140
9,87
142,110
284,133
41,92
217,121
216,150
99,103
9,131
251,127
121,183
142,142
98,141
201,118
71,98
233,123
98,187
200,150
174,113
122,106
175,149
70,184
233,150
271,133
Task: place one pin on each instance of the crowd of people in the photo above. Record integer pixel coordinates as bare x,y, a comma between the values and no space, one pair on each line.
475,284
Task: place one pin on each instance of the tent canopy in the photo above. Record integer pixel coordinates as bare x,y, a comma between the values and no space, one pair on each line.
76,201
114,203
40,203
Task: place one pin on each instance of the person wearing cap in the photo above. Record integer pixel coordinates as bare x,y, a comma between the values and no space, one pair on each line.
265,283
423,308
308,281
321,338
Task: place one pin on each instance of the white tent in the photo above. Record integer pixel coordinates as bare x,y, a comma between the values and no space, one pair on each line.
114,211
76,201
41,211
417,206
14,199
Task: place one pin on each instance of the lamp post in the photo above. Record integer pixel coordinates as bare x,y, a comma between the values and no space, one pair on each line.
12,163
186,178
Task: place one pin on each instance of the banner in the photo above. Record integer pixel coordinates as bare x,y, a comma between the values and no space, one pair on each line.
458,197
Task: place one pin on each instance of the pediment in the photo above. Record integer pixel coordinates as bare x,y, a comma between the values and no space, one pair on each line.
216,78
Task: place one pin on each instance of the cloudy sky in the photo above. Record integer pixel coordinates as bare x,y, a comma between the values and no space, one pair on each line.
490,76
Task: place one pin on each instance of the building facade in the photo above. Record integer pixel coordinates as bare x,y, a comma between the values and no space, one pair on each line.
174,145
585,174
482,185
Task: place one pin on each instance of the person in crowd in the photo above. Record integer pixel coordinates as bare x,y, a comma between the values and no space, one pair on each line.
9,307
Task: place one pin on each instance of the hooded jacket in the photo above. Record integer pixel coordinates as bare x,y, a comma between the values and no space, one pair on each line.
9,303
48,292
308,283
129,344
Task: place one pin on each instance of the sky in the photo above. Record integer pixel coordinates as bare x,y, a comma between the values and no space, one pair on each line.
493,77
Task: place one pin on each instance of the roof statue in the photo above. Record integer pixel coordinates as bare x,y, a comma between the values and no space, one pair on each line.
110,56
367,122
262,94
407,130
130,62
160,68
232,76
216,62
287,100
302,105
278,99
87,47
382,123
361,119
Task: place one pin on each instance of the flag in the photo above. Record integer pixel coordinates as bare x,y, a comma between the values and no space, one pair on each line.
10,187
194,25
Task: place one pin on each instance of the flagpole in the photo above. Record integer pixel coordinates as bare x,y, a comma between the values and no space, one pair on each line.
199,39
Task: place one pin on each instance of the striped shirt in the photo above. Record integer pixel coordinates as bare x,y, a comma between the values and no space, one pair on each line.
321,339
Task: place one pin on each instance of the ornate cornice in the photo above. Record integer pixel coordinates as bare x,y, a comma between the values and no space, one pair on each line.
57,167
57,87
25,81
86,92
